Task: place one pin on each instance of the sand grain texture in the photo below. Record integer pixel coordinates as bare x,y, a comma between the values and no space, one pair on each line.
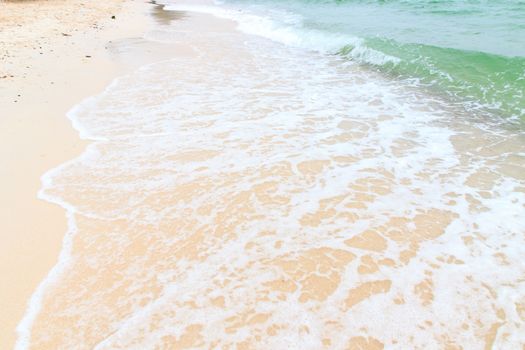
44,71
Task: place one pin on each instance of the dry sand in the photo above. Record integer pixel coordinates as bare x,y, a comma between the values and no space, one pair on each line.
52,55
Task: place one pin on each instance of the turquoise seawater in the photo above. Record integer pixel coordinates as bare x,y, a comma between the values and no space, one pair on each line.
472,51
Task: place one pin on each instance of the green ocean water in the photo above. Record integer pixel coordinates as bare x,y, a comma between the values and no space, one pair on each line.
472,51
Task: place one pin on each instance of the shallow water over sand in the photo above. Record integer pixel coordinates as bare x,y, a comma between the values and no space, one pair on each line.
248,195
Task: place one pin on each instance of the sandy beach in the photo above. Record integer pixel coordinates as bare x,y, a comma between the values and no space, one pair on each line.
219,181
53,54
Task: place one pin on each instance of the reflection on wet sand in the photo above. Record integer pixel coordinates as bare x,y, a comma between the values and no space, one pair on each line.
165,17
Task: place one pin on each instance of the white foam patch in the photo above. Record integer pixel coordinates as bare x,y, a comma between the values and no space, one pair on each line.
286,28
181,151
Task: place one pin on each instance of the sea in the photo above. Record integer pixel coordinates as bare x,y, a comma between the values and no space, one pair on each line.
299,174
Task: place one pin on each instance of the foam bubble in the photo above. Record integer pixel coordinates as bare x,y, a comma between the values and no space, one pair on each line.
265,196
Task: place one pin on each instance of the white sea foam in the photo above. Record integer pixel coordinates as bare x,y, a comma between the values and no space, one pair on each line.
201,165
287,28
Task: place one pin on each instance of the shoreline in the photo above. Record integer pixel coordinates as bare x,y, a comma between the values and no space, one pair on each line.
198,213
39,86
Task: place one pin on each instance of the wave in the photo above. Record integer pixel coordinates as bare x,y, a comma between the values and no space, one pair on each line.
479,81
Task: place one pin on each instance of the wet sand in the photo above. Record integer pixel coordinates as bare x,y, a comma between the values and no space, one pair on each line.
221,197
229,190
53,54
